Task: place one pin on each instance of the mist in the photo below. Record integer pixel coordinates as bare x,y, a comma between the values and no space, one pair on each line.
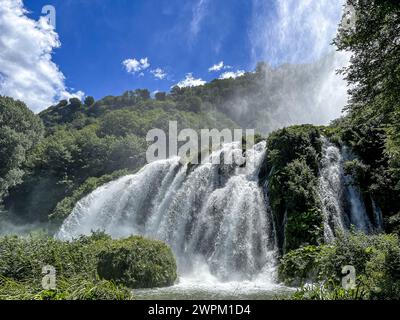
301,84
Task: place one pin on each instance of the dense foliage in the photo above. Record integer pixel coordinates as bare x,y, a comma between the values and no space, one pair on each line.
79,266
376,260
138,263
372,124
20,130
291,167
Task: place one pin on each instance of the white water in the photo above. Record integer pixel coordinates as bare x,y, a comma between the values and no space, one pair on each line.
342,202
214,217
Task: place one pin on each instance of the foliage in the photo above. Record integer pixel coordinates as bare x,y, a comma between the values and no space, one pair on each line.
376,260
329,291
76,263
372,124
292,166
303,264
138,263
20,131
67,289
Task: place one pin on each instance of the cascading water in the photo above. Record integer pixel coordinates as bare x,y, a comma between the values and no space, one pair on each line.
215,217
331,190
342,203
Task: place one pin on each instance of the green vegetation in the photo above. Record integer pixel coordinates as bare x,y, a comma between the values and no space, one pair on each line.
292,166
376,260
88,144
67,289
372,125
20,130
138,263
80,266
371,129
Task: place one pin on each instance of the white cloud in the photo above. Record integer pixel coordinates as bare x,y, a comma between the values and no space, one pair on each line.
199,12
216,67
159,73
133,65
27,71
232,74
190,81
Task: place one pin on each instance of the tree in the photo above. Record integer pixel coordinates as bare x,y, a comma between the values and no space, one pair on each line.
75,104
189,103
160,96
120,123
20,131
89,101
374,72
372,126
143,94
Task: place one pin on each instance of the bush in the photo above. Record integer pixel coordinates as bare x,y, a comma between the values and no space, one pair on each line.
145,263
138,263
67,289
304,264
375,258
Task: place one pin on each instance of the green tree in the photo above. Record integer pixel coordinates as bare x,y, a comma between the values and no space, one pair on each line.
89,101
374,72
120,123
143,94
372,126
160,96
20,131
75,104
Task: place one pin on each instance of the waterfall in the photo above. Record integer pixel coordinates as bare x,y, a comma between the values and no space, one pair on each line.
342,202
214,215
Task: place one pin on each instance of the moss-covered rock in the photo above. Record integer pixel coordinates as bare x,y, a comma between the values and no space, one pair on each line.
291,168
138,263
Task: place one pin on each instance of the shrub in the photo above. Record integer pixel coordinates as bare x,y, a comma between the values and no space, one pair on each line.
304,264
375,258
145,263
138,263
67,289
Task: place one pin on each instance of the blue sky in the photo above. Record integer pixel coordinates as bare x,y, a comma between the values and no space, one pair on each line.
174,35
105,47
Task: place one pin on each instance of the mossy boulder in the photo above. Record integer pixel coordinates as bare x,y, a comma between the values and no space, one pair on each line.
138,263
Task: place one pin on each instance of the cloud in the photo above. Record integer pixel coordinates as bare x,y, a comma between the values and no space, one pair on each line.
199,12
159,73
216,67
232,74
133,66
190,81
27,71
